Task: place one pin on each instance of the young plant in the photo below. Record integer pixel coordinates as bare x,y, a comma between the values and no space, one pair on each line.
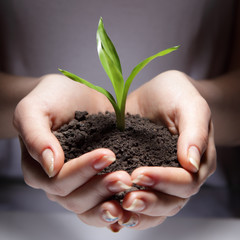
112,66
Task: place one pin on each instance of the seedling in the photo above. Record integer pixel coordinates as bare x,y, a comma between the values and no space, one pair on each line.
112,66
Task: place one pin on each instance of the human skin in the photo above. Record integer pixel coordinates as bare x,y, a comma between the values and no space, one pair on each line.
50,115
13,89
170,187
41,111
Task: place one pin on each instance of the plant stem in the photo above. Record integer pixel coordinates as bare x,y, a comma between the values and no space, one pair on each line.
120,119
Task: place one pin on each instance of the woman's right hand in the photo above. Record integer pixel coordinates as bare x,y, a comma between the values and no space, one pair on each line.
74,185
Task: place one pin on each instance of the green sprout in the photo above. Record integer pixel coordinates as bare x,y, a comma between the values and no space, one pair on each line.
112,66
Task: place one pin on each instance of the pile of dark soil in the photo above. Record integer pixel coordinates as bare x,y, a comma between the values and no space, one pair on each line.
142,143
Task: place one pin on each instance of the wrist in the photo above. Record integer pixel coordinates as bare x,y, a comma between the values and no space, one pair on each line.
14,88
222,95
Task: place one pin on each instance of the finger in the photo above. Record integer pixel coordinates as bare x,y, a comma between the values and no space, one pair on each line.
33,173
170,180
208,161
139,221
103,215
115,227
78,171
73,174
193,125
153,203
35,132
178,181
99,188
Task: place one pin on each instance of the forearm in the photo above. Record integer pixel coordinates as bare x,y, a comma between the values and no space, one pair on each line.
12,90
223,97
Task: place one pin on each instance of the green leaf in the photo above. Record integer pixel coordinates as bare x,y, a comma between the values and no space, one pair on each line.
90,85
110,61
112,66
107,44
139,67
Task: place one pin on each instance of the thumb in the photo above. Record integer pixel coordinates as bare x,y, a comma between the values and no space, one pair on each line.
194,132
39,140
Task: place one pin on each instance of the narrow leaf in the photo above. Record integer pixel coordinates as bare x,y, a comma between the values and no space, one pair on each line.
114,75
90,85
107,55
107,44
139,67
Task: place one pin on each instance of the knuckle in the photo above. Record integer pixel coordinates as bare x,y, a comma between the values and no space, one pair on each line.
51,197
175,210
30,182
181,203
191,190
101,193
72,206
57,189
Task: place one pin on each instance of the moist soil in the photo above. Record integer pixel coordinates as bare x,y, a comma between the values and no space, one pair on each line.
142,143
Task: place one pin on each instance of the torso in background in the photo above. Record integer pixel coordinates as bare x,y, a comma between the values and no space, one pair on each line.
40,36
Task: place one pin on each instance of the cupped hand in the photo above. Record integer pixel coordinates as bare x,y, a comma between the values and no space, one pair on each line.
75,185
51,104
171,99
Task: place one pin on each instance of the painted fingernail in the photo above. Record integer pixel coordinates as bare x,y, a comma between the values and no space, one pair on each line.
108,217
48,162
103,162
194,158
118,186
132,222
137,206
144,180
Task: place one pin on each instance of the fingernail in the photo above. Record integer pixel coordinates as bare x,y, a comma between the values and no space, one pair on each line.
143,180
48,162
136,206
132,222
118,187
103,162
107,216
194,158
115,228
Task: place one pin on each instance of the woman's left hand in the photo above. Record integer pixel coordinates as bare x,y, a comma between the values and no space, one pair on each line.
171,99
